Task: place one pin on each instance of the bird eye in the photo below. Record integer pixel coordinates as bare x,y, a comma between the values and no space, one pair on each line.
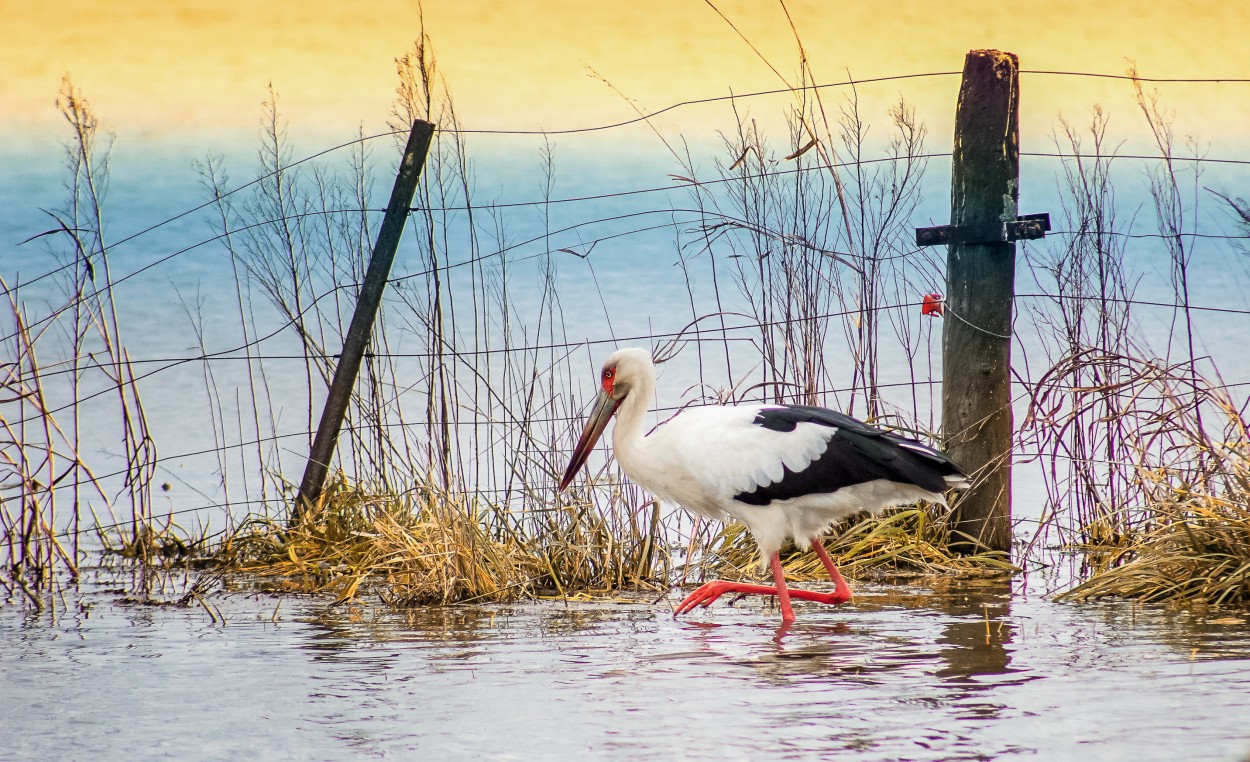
608,373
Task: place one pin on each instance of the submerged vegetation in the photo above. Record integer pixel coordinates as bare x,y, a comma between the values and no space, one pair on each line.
802,284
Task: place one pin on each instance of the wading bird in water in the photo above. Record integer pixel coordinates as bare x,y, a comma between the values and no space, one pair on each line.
786,471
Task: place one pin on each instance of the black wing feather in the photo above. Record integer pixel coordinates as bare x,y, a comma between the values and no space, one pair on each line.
857,453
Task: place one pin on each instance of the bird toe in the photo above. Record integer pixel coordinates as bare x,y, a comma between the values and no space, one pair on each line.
704,595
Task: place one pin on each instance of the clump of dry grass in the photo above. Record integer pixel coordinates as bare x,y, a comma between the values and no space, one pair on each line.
1199,551
1145,459
908,541
431,545
153,543
1180,529
1191,541
599,543
422,547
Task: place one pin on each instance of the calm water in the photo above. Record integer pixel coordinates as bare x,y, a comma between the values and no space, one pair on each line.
904,672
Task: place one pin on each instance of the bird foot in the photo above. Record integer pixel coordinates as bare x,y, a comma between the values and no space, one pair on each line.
707,593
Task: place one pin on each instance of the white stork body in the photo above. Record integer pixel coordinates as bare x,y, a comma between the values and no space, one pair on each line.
705,457
785,471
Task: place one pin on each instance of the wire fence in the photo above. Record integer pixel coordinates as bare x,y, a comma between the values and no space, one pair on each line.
693,220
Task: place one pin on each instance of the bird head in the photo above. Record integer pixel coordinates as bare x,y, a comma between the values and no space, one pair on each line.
623,372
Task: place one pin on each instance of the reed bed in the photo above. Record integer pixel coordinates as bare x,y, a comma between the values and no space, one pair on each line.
430,546
1185,533
65,356
1199,552
1143,453
498,423
411,549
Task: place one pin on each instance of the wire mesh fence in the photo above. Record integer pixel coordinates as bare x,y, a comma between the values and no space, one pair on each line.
783,273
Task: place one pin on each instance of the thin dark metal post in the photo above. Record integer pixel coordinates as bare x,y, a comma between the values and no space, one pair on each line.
977,419
358,333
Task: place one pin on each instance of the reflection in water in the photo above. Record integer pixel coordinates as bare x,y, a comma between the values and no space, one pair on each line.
346,626
977,640
977,644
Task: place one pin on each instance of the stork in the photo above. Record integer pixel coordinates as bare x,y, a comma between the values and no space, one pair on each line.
785,471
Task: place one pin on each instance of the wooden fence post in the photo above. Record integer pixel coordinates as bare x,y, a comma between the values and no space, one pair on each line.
357,339
977,420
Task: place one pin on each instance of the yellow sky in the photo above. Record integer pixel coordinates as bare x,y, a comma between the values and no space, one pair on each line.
154,67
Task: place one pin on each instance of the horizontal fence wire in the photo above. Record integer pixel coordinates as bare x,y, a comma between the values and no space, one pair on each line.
677,187
676,335
537,133
691,335
470,492
851,82
1137,157
705,215
682,186
572,420
224,355
1018,456
1137,78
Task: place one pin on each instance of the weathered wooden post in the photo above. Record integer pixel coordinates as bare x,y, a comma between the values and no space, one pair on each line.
357,339
977,419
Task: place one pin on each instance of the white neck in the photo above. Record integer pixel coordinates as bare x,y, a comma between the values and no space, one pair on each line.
628,438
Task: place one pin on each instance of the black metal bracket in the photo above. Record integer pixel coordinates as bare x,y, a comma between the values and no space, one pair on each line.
1023,228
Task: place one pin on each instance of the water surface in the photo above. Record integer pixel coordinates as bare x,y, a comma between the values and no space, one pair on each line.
904,672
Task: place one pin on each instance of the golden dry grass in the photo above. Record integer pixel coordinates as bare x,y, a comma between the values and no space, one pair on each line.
436,547
1198,551
1181,531
909,541
406,550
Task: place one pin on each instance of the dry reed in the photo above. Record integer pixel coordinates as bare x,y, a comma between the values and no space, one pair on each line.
906,542
1185,534
42,450
431,546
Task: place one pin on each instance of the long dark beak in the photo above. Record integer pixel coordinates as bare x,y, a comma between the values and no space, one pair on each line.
600,414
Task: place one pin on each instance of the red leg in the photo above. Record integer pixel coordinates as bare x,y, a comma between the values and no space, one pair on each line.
705,594
783,593
842,591
708,592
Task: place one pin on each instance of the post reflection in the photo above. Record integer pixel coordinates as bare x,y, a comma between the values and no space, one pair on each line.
976,651
977,641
